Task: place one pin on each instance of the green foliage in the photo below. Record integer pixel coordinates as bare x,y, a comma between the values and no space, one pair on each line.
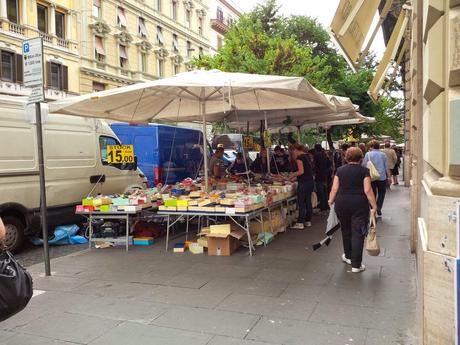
265,42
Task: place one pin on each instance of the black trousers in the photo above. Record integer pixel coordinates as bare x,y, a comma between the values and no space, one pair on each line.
321,191
304,191
380,190
353,214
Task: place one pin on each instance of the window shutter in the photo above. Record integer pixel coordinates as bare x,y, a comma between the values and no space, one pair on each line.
18,65
48,74
65,77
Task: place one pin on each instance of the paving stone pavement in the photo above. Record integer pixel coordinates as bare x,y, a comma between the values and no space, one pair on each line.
285,295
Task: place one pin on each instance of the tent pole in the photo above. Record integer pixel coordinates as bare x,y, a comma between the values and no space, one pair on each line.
268,148
205,147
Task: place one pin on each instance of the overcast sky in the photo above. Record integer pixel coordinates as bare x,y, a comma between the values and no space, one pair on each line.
324,10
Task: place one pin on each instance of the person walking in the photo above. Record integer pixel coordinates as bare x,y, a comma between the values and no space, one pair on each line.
392,159
339,157
304,176
352,194
380,161
395,172
320,162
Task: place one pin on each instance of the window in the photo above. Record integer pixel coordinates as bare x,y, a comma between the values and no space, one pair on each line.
97,87
10,66
174,10
200,52
175,44
121,18
57,76
176,69
200,25
42,18
159,5
220,14
160,68
160,38
97,8
7,69
99,49
188,18
60,24
12,11
103,143
220,42
189,49
123,57
142,27
143,63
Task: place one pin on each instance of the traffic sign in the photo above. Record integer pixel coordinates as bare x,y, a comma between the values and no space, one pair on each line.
117,154
32,51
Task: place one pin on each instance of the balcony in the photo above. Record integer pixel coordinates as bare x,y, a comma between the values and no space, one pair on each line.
220,26
16,28
46,37
63,43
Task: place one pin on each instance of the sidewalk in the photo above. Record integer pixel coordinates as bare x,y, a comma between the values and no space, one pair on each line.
285,295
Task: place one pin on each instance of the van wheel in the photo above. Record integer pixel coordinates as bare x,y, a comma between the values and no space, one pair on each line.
14,233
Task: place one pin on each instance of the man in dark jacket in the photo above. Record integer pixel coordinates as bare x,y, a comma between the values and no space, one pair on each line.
320,162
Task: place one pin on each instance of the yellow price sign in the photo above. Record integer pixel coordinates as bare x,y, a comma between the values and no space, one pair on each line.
117,154
248,142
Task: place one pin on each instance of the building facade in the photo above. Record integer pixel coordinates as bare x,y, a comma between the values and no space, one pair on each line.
224,13
56,22
124,42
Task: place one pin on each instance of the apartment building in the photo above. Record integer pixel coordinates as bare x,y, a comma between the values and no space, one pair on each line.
124,42
56,22
224,13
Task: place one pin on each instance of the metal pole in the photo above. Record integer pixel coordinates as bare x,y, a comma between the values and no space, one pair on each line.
268,148
43,212
205,147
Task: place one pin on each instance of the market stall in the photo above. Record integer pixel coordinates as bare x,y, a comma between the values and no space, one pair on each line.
214,96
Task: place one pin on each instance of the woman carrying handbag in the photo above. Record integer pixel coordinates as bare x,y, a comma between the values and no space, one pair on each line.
15,282
352,194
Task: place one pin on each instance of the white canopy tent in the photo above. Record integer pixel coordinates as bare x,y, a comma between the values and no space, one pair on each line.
204,96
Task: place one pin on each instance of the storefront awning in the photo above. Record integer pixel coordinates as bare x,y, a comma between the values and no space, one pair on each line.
390,54
351,25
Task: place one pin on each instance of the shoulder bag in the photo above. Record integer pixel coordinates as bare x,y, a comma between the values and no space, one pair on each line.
15,286
375,175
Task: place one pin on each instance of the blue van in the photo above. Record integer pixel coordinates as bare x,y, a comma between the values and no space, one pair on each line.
165,154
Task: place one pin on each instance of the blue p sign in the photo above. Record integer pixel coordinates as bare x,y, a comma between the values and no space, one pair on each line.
26,48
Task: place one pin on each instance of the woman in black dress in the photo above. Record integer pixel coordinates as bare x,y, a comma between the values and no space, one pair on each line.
352,194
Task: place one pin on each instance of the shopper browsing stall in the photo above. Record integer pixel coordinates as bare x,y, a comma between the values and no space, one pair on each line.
352,193
304,176
238,166
217,164
280,161
259,166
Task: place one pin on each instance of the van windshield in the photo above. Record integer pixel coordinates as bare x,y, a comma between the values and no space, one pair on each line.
103,143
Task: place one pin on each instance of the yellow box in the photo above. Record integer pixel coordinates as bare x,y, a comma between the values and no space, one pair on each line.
182,203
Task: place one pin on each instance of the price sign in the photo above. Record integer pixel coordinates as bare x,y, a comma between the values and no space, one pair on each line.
267,139
117,154
248,142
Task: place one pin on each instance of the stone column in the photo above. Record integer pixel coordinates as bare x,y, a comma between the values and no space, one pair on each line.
3,12
68,25
24,8
53,19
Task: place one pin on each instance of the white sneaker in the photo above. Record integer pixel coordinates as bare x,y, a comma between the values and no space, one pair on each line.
344,259
298,226
359,270
307,224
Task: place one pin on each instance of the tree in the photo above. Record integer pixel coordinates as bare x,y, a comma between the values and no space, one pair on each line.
265,42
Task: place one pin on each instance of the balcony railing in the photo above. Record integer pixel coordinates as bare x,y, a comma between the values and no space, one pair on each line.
46,38
220,26
63,43
17,29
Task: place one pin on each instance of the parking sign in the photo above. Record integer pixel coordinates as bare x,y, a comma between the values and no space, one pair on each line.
32,51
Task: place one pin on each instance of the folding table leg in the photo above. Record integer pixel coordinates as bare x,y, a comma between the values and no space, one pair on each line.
127,232
90,230
167,233
186,229
248,233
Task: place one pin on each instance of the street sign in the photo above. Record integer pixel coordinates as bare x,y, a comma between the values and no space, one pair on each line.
32,51
117,154
248,142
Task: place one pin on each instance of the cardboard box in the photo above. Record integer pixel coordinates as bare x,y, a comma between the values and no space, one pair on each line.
222,246
143,241
196,248
220,230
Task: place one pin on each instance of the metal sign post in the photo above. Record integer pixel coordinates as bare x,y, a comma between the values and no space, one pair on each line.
457,277
34,78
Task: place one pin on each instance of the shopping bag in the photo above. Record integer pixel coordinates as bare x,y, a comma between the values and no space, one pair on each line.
375,175
372,246
332,226
15,286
